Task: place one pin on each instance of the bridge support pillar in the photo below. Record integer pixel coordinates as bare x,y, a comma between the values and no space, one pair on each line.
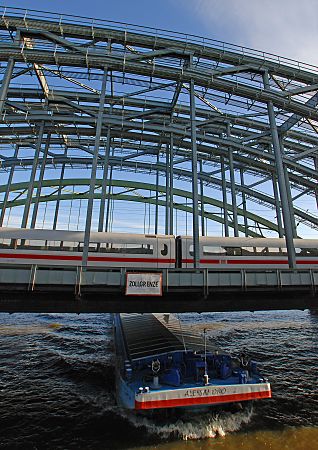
171,186
202,201
167,191
244,203
109,199
280,170
93,171
101,221
58,201
28,200
277,206
39,188
9,181
157,192
233,191
290,200
224,198
195,199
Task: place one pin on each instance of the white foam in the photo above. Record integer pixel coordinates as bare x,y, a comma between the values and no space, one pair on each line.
192,425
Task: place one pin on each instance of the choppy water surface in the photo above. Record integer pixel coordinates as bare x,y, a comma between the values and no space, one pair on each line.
57,386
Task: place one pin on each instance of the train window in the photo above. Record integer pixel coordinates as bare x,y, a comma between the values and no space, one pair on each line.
93,247
277,251
70,246
246,251
233,251
117,248
5,243
164,250
254,251
103,247
306,251
23,243
30,244
36,244
110,247
144,249
274,251
213,251
53,245
134,249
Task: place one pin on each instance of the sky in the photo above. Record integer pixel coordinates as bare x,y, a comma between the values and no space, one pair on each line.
284,27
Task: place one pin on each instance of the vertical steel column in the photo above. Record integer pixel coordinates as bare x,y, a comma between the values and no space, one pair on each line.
58,201
194,161
277,206
157,194
224,197
167,191
9,181
290,201
108,199
288,190
202,201
5,84
90,202
40,181
32,178
233,193
244,203
171,186
7,76
316,190
281,180
104,183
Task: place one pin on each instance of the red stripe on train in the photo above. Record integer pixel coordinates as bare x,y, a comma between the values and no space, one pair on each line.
251,261
79,258
216,399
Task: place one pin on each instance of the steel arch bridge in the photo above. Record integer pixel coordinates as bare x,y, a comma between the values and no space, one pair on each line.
97,114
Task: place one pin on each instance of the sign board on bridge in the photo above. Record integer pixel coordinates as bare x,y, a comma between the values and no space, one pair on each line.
144,284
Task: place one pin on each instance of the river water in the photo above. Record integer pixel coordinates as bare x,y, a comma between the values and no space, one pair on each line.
57,386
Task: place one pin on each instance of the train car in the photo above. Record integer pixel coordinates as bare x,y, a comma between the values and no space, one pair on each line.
58,247
231,252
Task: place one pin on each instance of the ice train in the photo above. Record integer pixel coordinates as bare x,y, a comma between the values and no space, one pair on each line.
59,247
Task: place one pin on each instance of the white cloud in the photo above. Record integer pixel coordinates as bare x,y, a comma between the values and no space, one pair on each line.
284,27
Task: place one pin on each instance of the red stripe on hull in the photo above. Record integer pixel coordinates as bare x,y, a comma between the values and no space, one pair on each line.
217,399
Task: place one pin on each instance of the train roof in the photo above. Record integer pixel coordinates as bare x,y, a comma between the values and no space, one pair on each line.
252,242
76,236
95,237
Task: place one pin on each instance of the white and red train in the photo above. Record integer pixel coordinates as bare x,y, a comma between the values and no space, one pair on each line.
58,247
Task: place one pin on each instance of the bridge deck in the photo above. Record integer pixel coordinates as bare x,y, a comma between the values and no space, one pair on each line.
71,289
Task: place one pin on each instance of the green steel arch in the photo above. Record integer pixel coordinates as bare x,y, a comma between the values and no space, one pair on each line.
18,187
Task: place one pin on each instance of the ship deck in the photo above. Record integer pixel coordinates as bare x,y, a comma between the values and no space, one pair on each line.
154,334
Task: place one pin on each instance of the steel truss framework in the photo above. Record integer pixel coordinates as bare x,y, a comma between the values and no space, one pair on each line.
237,125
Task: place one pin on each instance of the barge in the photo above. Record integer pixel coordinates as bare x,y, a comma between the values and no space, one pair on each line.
162,364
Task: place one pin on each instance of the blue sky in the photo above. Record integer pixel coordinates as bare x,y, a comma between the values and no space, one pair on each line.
284,27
